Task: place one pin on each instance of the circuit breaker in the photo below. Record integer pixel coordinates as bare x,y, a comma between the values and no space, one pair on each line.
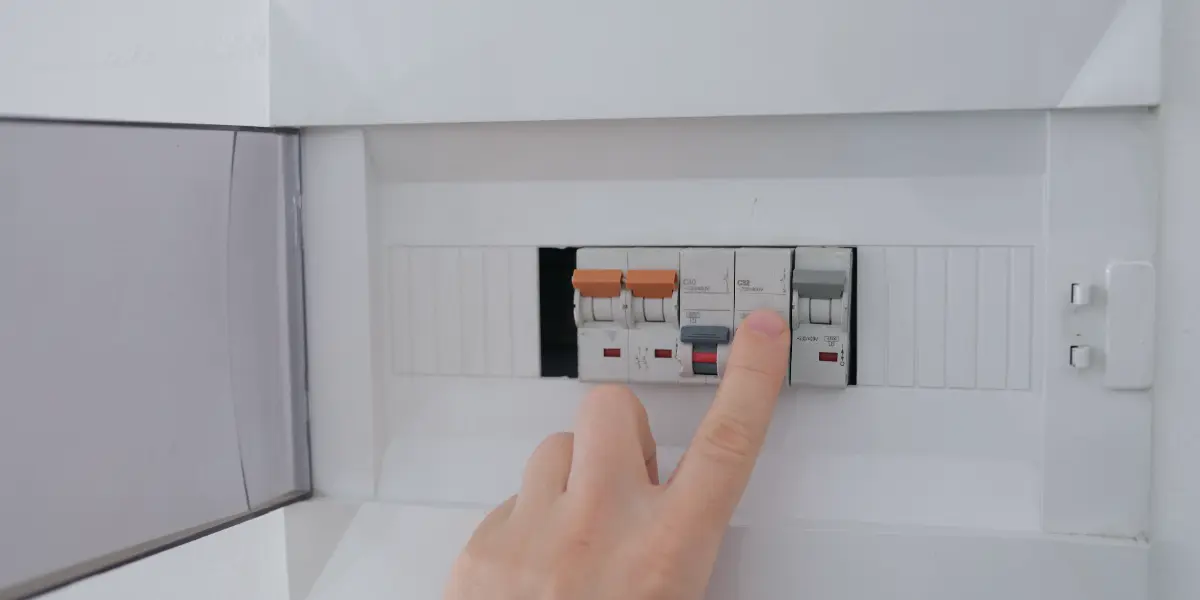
668,315
602,314
821,290
653,282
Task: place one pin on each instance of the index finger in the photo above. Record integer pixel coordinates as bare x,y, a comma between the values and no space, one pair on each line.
709,483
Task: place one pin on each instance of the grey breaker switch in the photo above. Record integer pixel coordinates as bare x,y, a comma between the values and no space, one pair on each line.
703,350
821,292
825,285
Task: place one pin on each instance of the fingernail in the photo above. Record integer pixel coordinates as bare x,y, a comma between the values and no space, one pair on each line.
765,322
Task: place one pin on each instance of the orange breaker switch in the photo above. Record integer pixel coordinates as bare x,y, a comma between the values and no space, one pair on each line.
653,293
651,283
597,283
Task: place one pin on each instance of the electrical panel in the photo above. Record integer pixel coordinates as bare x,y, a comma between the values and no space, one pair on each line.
668,315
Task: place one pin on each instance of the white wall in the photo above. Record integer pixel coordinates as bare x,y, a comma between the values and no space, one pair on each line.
172,61
368,62
319,62
1177,410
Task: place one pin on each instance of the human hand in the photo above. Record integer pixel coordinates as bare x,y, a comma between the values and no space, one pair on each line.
592,522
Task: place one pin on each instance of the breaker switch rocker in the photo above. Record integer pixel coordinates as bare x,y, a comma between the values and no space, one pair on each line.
655,295
600,297
822,289
703,350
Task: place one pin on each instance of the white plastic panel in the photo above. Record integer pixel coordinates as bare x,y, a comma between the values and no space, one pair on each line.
991,358
1020,319
338,289
835,457
331,550
408,477
497,264
931,317
872,316
1097,457
426,347
1176,522
365,61
962,207
399,308
492,326
962,306
473,297
840,561
907,319
1129,326
945,319
245,561
446,316
901,302
523,271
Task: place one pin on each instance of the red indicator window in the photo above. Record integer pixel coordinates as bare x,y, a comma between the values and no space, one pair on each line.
704,357
612,353
827,356
662,353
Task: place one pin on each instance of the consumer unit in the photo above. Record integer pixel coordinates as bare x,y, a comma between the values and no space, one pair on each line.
292,289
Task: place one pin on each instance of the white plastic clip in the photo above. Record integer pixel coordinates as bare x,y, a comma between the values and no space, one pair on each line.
1080,294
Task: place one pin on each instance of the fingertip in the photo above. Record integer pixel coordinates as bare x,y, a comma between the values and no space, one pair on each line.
607,397
766,322
767,326
612,431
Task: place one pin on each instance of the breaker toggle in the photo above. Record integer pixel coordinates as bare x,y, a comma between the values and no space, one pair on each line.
817,297
655,295
600,297
703,350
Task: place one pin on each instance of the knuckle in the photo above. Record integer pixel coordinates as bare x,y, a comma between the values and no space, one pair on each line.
586,512
577,542
729,440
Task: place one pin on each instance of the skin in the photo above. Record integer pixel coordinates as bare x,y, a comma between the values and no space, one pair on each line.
592,521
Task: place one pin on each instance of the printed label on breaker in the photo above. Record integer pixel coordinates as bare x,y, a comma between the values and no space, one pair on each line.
706,317
763,271
763,286
697,285
706,271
